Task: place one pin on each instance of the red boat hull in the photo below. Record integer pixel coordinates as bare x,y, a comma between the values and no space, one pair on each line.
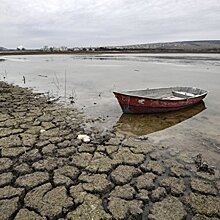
138,105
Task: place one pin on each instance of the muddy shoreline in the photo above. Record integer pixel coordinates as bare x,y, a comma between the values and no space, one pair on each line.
99,52
46,173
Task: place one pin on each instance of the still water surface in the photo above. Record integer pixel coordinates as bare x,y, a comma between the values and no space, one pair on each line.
91,79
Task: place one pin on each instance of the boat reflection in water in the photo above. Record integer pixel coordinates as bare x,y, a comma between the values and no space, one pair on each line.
142,124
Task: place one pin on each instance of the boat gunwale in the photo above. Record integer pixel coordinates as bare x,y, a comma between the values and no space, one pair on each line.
159,99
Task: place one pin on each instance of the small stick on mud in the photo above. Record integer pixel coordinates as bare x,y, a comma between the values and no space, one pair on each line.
6,75
72,97
24,80
65,86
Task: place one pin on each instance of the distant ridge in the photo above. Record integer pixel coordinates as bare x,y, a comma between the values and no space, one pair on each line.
201,45
3,49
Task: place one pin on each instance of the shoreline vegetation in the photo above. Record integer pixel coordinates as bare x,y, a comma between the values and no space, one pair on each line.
105,51
47,173
200,46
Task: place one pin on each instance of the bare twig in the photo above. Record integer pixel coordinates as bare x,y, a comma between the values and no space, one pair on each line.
65,86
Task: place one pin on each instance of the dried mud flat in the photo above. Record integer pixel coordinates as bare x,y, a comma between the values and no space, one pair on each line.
46,173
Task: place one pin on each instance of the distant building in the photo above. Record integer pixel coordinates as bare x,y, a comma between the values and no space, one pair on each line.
63,48
20,47
76,49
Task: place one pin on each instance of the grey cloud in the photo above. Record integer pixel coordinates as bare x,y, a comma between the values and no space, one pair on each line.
107,22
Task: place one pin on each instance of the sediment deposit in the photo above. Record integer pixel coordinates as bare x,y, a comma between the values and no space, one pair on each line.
46,173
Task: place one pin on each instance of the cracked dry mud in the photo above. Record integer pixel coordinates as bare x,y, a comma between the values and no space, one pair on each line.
46,173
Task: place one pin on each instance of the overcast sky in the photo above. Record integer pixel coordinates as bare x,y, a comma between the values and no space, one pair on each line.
35,23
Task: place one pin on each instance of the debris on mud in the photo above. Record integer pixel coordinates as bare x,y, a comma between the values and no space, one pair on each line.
203,165
85,138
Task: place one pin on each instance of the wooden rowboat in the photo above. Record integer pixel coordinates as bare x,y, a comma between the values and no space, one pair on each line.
159,100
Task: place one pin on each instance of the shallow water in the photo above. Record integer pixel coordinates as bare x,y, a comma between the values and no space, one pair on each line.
91,79
142,124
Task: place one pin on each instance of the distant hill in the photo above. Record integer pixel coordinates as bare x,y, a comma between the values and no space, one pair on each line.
3,49
206,45
202,46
